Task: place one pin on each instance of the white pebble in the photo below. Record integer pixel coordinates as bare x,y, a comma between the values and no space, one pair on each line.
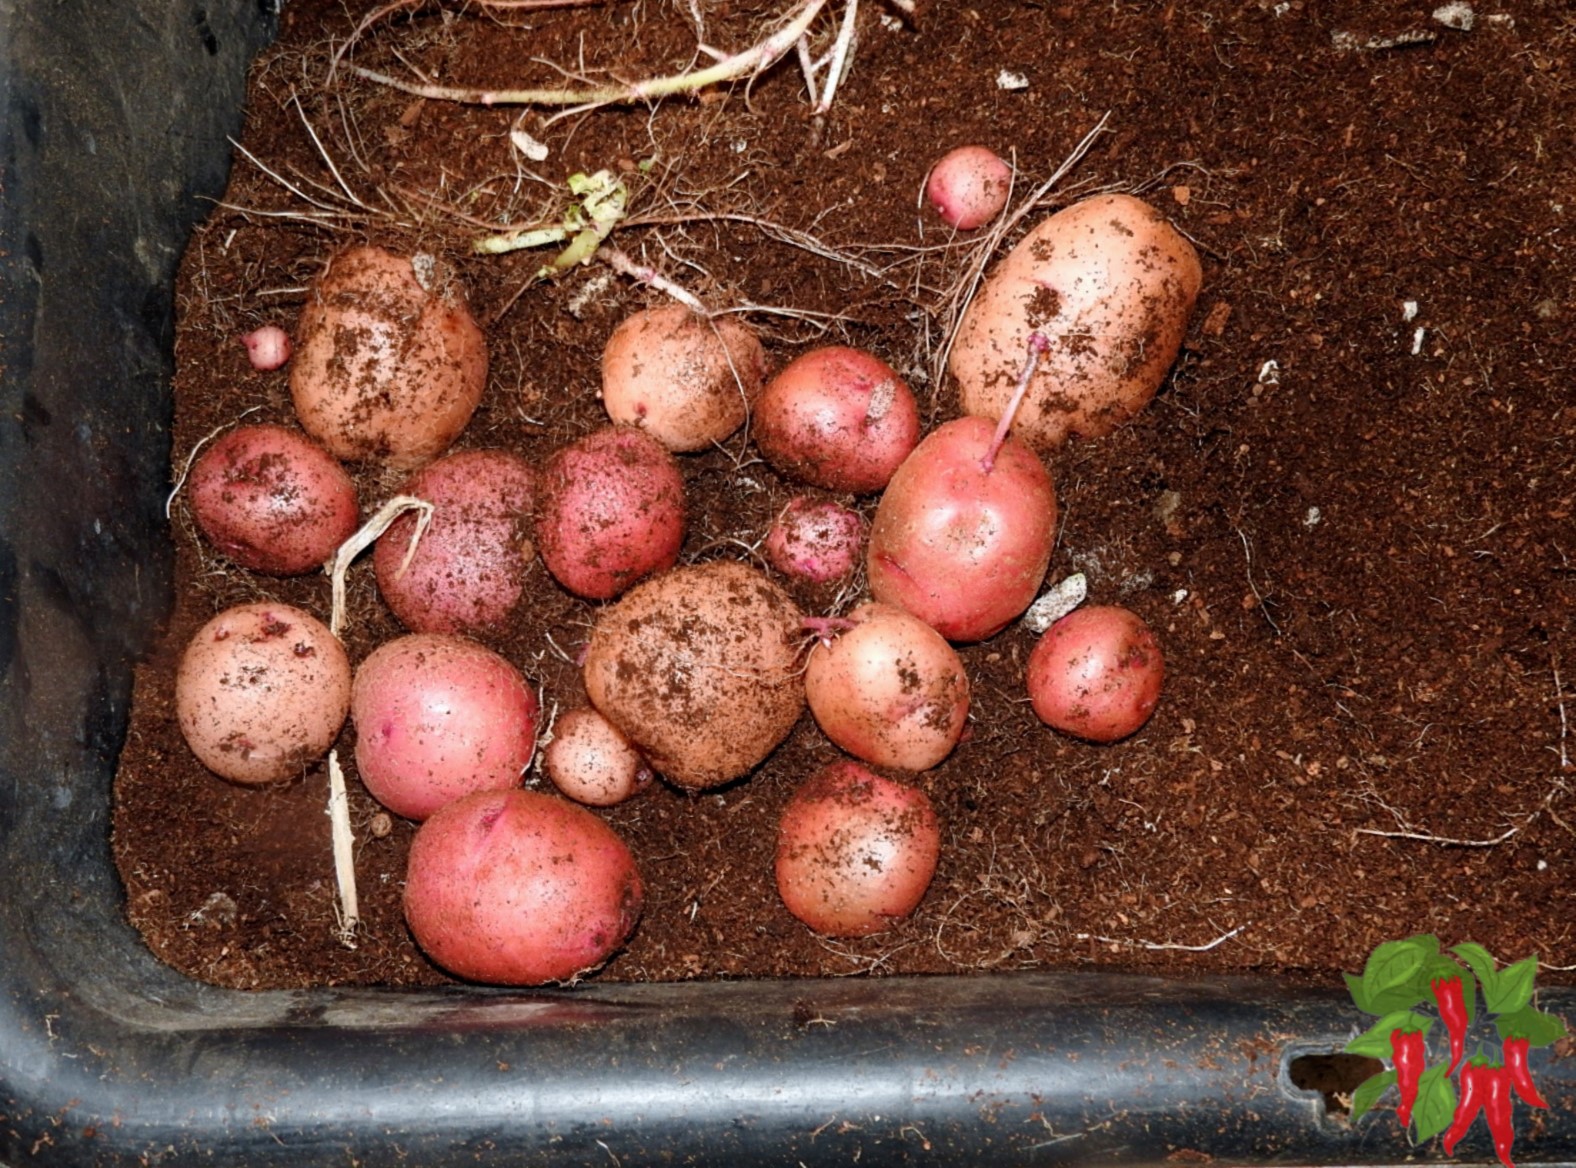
1456,15
1009,80
1058,600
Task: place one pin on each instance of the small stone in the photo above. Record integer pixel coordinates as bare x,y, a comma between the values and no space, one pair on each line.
1456,15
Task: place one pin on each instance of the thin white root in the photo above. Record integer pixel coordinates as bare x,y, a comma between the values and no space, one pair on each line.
751,62
358,543
1166,945
344,852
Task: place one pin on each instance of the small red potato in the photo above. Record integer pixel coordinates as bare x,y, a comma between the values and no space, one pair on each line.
887,688
272,500
1096,673
267,348
390,364
1111,284
963,547
591,761
816,540
700,670
610,512
686,380
519,888
968,186
837,418
439,717
262,692
855,851
469,570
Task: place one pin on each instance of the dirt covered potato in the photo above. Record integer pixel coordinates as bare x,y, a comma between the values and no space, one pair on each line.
262,692
700,670
469,570
389,363
685,380
272,500
1111,285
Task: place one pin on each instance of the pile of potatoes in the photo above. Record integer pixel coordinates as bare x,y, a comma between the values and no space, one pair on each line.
694,672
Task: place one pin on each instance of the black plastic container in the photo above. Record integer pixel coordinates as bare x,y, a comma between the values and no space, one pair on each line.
116,123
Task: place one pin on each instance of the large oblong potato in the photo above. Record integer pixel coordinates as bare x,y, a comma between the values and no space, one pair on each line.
1111,285
700,669
387,369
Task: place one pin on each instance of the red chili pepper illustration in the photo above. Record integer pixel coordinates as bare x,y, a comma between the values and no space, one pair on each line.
1497,1104
1449,996
1520,1074
1410,1053
1467,1106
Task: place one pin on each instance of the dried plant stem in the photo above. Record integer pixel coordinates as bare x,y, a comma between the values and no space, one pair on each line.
749,63
344,851
363,539
839,58
338,800
621,263
1166,945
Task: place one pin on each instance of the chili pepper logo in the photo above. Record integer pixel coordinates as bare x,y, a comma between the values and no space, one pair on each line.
1410,984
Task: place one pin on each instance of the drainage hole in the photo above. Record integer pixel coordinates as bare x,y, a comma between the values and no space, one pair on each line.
1334,1076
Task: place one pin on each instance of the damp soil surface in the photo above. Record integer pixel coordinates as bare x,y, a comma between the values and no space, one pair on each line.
1349,514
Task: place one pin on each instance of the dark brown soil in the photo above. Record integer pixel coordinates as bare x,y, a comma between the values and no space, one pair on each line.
1351,526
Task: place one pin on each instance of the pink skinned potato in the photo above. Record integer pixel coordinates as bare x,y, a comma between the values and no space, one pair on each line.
855,851
837,418
261,692
437,718
520,888
272,500
591,761
701,669
1096,673
1111,284
887,688
815,540
685,380
968,187
388,368
468,572
963,548
610,512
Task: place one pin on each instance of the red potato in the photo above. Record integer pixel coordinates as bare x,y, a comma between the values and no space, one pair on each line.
389,365
887,688
468,572
1111,284
520,888
700,670
272,500
837,418
962,547
686,380
610,512
262,692
816,540
1096,673
968,186
591,761
855,851
439,717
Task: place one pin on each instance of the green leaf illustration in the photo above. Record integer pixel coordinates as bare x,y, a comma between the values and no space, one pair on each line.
1436,1103
1536,1026
1359,995
1368,1092
1375,1041
1395,964
1512,988
1480,961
